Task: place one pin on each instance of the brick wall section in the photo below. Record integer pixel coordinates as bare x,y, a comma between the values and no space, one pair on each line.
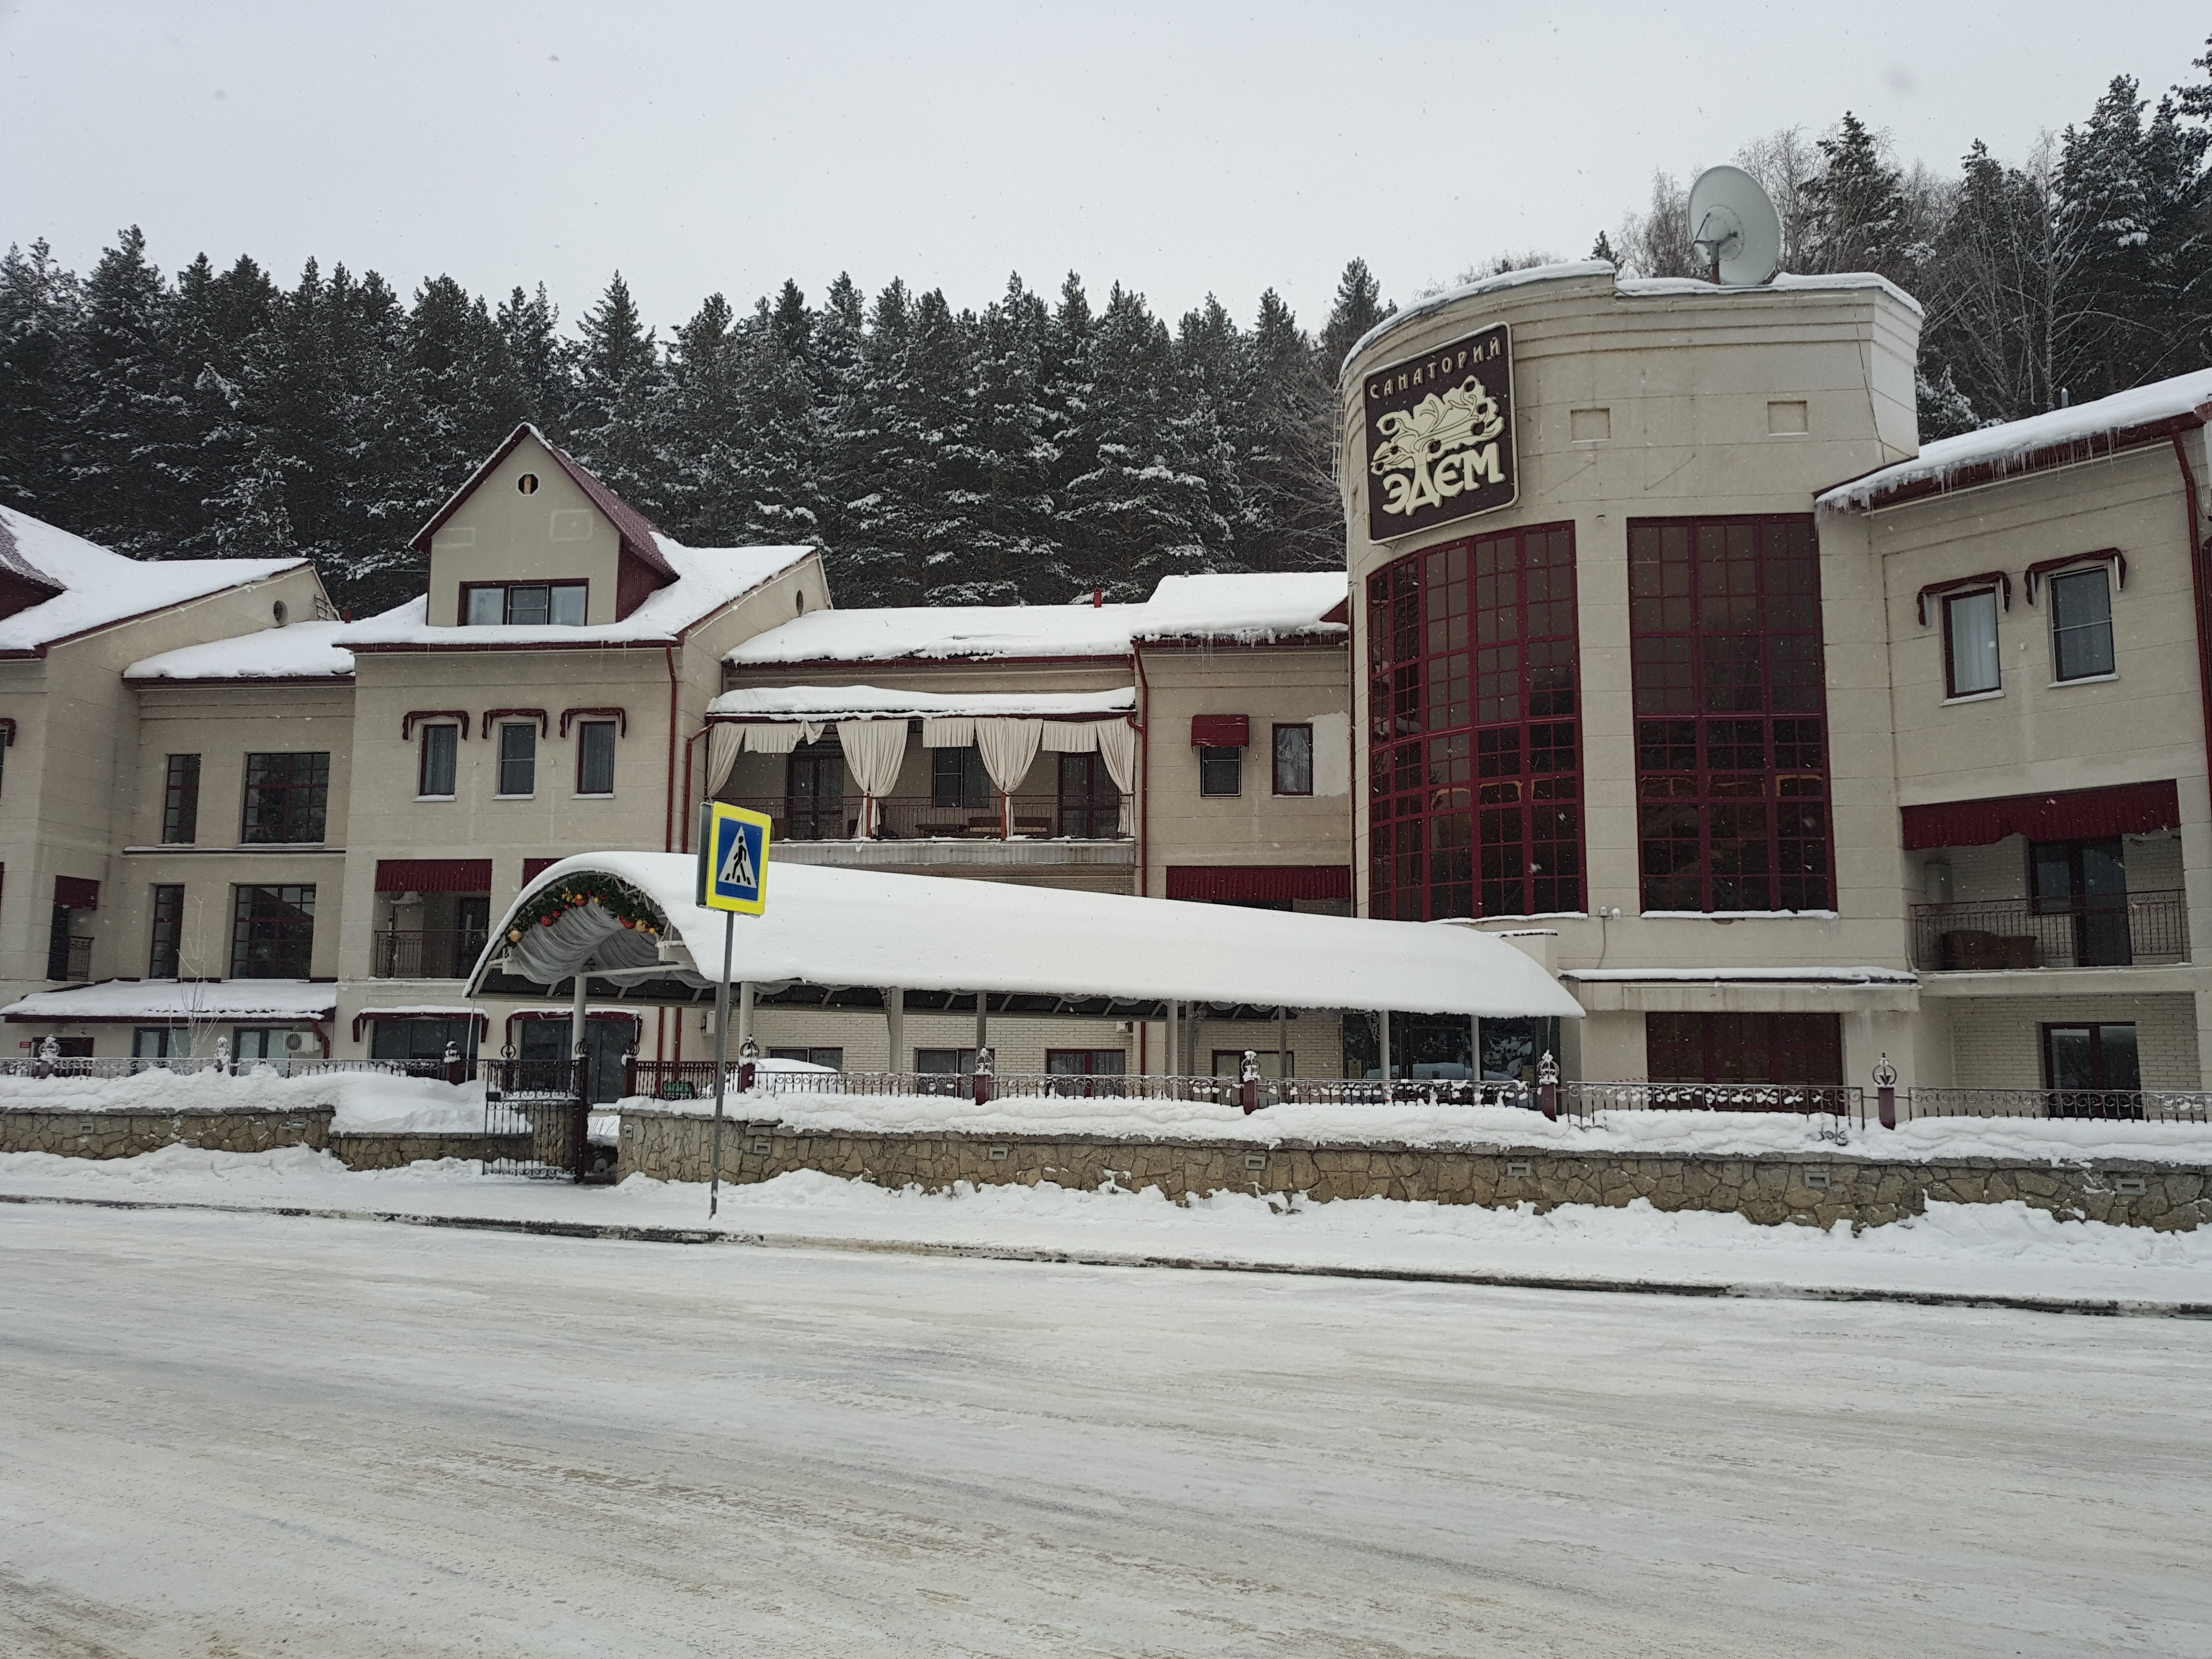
1996,1042
129,1134
671,1146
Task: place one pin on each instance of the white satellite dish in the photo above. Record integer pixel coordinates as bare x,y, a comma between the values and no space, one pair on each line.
1735,228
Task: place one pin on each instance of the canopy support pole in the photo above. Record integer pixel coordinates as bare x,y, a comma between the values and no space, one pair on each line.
579,1015
1174,1050
1282,1046
982,1021
1474,1049
1382,1024
744,1010
894,1025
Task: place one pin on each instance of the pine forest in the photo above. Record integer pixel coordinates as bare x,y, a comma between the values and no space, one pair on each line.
1039,448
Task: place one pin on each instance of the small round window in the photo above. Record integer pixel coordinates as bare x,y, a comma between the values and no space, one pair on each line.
528,484
279,611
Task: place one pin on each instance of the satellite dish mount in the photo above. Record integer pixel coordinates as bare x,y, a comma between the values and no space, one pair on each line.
1734,229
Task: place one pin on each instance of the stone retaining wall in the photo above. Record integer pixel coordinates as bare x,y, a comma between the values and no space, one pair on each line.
128,1135
673,1146
394,1151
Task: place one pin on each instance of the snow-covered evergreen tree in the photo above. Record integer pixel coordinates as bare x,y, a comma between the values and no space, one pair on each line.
41,308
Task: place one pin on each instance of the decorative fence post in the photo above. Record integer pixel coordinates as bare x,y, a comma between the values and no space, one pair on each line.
453,1071
1548,1086
223,1056
1248,1079
748,1065
50,1050
983,1076
1885,1092
629,1072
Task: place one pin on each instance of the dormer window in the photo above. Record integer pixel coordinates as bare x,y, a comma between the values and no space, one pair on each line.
526,605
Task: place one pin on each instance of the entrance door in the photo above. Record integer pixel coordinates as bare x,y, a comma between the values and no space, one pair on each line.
814,792
605,1042
471,922
2087,883
1089,804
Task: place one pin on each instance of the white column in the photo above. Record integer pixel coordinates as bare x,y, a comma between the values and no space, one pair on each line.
1174,1056
982,1021
895,1026
579,1014
744,1017
1382,1027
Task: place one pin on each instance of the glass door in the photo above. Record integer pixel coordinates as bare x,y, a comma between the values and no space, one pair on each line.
2087,883
814,792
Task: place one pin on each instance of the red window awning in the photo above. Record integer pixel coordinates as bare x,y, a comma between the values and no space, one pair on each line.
1220,731
76,893
1209,883
434,875
533,868
2128,809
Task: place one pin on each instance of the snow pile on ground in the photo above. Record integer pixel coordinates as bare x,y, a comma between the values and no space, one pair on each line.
1668,1133
1992,1249
364,1102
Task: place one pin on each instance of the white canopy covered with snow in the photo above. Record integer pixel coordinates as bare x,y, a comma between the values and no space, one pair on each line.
833,927
169,1000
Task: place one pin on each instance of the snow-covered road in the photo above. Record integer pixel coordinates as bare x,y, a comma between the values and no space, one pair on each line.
225,1434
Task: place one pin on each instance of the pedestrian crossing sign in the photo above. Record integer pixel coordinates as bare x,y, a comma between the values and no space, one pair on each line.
733,859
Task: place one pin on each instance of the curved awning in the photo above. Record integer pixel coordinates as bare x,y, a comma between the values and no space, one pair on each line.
1043,950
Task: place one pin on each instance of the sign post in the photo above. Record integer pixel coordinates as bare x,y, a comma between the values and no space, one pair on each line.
732,877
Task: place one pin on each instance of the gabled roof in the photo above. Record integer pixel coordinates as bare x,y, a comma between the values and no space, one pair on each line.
89,587
30,583
635,532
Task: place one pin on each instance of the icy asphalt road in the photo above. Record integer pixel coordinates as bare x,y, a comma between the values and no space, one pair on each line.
236,1435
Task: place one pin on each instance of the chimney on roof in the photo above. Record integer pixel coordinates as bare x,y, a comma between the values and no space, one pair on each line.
1097,598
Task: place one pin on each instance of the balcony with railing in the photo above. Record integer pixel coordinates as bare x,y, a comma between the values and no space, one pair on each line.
69,959
1023,817
2120,930
425,952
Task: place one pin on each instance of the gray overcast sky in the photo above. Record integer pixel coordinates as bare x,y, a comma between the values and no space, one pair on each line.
1181,147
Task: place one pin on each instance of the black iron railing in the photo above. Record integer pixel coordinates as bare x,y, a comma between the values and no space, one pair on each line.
426,952
905,817
1981,935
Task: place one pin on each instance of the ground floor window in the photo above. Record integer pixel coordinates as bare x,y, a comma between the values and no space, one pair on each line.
1448,1047
950,1062
1744,1048
421,1039
2101,1056
74,1048
1086,1063
259,1042
833,1058
162,1042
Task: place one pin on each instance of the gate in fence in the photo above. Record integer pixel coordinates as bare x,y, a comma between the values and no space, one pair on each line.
538,1108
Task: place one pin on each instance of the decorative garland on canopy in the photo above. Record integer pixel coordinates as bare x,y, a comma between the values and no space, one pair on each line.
612,895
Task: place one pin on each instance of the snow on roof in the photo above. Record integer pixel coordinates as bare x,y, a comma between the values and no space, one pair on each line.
180,999
1729,975
707,579
829,702
861,927
1631,288
298,651
100,587
1249,609
2021,446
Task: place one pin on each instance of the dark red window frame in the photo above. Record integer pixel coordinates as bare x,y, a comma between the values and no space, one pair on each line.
1731,715
507,600
1474,739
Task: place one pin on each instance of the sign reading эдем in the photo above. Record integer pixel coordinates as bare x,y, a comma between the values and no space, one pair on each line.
733,859
1440,435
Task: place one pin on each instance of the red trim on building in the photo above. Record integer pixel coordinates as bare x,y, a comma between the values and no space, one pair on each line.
1988,579
2111,556
634,531
537,715
76,893
434,875
619,716
414,717
1220,731
2096,446
2127,809
1209,883
533,868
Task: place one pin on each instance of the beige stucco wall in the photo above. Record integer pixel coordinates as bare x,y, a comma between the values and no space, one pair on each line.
70,796
499,534
1685,378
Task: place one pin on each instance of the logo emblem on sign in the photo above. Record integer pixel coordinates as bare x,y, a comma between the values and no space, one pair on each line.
1417,466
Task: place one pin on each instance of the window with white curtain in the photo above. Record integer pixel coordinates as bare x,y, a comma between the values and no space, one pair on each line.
1970,644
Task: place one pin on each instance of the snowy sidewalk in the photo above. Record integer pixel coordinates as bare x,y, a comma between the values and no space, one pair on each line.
1987,1252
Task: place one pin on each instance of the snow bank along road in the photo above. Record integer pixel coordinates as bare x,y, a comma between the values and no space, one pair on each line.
234,1435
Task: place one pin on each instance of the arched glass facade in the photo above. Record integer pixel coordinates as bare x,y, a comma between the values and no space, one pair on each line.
1474,749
